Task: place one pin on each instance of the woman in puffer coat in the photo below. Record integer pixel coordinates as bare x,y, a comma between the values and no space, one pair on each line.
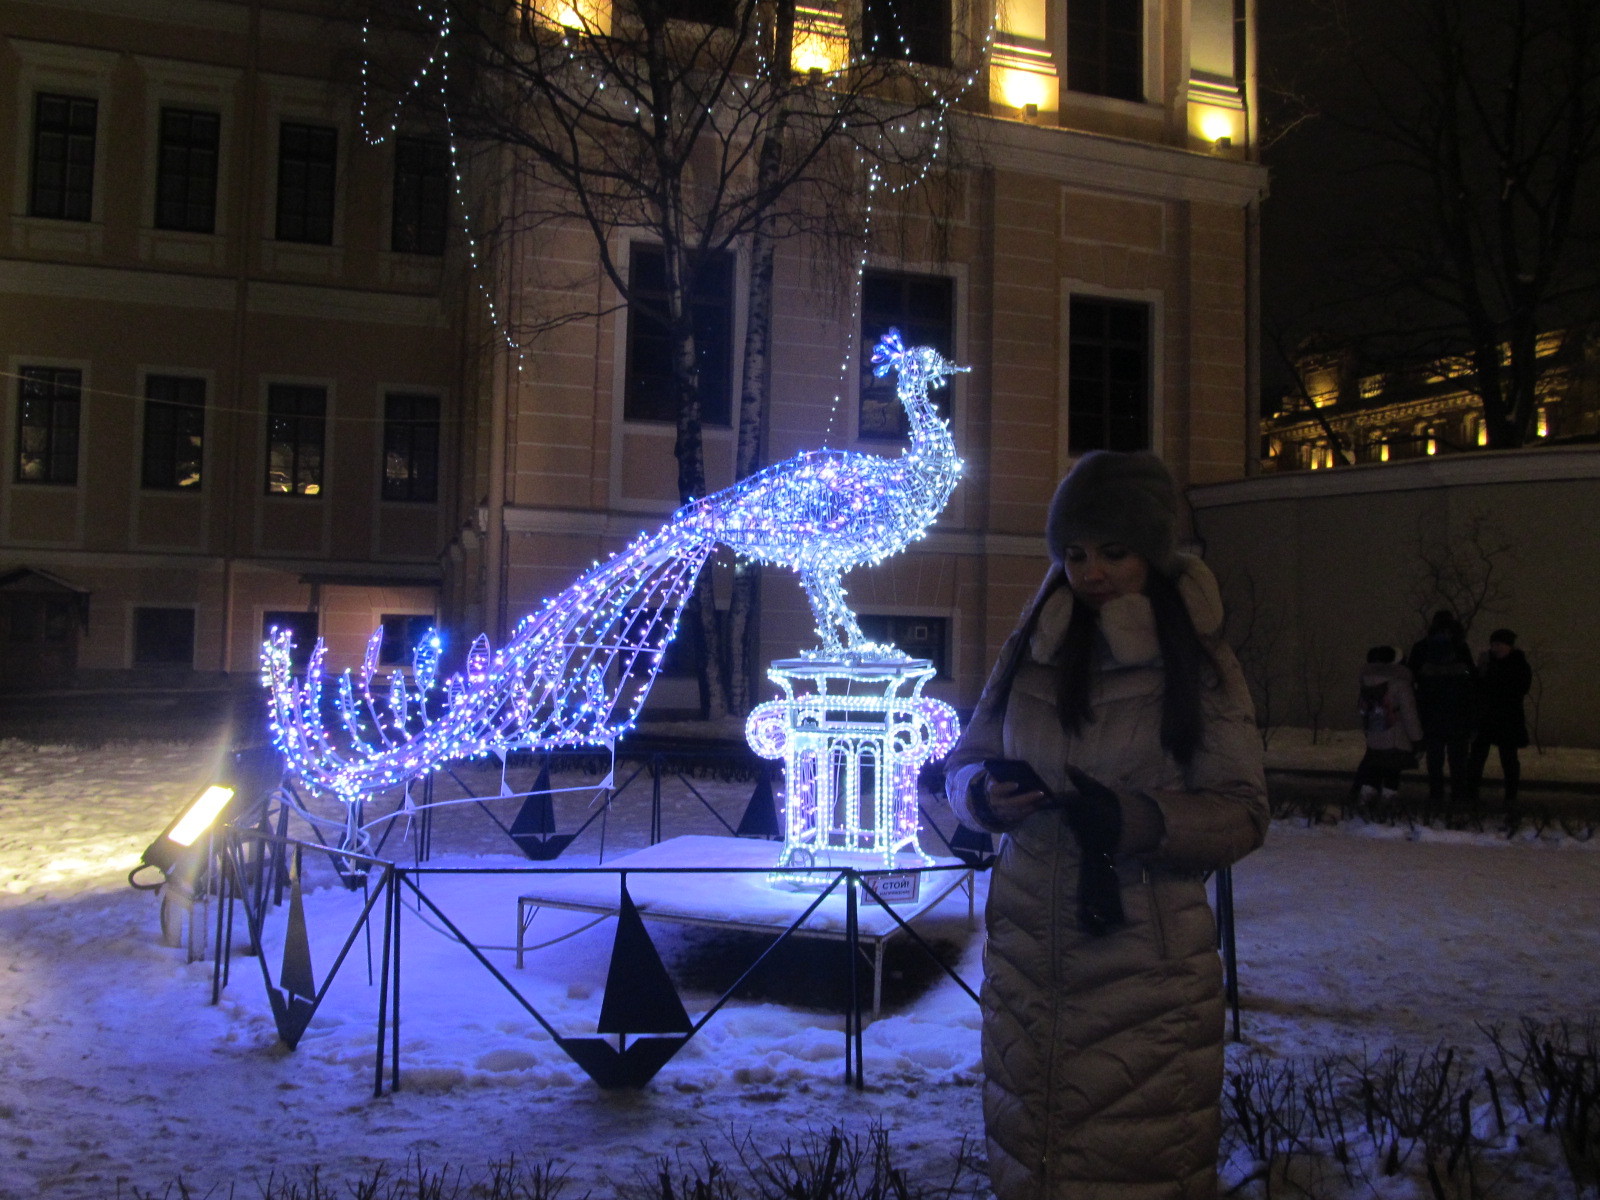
1102,996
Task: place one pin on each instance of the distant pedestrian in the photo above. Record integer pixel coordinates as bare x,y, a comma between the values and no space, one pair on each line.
1504,678
1442,665
1388,709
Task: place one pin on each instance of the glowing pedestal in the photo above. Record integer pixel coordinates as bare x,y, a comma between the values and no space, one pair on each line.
853,736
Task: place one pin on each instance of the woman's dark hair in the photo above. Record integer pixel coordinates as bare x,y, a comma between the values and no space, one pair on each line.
1184,660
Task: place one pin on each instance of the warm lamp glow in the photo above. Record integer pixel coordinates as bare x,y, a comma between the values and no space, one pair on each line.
821,42
584,16
1214,124
1018,89
200,815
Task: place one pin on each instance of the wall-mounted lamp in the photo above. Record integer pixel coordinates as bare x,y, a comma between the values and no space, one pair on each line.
1031,110
1222,143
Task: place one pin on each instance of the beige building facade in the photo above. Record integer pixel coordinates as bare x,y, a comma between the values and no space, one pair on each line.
206,325
1096,269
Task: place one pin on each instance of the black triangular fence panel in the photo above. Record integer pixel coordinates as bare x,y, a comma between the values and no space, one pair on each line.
761,814
542,849
640,997
295,977
538,811
291,1014
611,1068
972,846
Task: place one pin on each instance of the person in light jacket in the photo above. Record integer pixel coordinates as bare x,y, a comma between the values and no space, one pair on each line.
1115,747
1387,706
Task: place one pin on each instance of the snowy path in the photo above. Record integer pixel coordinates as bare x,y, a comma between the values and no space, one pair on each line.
113,1067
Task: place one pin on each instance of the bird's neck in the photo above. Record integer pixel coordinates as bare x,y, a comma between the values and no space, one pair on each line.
930,435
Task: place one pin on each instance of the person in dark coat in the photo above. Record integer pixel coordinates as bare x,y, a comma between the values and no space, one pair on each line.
1441,663
1504,678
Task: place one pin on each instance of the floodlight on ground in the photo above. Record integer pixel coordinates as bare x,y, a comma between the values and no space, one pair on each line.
178,839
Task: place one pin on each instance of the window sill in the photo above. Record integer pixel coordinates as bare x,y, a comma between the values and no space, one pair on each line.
46,235
302,258
179,248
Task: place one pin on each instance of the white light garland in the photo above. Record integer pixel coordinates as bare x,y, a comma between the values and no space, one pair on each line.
577,672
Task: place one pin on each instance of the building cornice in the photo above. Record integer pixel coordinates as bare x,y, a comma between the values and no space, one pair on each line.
1481,467
1114,164
169,289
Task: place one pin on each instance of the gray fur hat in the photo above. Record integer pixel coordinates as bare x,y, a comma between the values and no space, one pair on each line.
1115,497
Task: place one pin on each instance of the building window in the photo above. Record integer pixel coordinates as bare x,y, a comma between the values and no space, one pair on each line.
402,634
1105,48
49,400
410,447
1108,386
649,394
174,431
920,637
163,637
307,158
296,426
421,196
915,30
923,309
63,156
186,171
302,627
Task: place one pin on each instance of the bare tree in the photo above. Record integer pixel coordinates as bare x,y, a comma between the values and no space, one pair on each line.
686,124
1451,171
1256,631
1461,567
1319,675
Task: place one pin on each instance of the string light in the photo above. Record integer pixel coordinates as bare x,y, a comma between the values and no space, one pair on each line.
577,672
830,734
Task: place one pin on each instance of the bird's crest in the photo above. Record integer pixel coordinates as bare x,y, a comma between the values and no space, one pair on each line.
915,364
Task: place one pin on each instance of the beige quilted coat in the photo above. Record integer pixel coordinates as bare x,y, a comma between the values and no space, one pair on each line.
1103,1055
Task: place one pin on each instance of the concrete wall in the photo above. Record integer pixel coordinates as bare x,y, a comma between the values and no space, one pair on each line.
1325,564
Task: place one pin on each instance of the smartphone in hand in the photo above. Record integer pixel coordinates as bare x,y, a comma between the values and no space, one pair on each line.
1014,770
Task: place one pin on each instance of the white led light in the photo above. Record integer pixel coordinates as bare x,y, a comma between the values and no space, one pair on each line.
576,673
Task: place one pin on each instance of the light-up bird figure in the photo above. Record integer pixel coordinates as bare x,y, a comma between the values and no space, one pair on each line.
576,672
824,512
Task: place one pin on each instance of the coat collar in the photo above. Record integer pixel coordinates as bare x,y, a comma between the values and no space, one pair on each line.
1127,623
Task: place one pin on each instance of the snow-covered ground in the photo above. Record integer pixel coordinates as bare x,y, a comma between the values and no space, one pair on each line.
114,1068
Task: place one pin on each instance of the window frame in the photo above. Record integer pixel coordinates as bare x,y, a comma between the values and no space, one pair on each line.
388,657
281,387
944,398
632,315
1152,431
1151,44
943,662
411,425
433,245
285,124
177,406
163,110
945,61
37,131
50,454
134,660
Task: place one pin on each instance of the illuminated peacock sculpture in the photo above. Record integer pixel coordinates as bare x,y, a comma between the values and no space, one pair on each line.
576,672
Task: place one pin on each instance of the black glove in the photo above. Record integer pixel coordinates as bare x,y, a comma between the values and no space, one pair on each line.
1094,814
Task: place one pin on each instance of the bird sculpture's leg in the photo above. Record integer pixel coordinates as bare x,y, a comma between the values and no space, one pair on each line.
831,613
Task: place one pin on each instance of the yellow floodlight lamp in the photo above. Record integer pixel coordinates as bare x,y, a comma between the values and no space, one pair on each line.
190,825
